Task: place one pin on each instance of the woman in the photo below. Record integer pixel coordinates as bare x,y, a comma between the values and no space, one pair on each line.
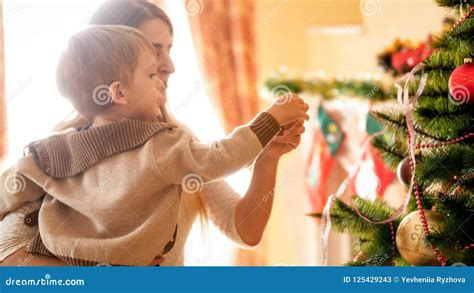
241,219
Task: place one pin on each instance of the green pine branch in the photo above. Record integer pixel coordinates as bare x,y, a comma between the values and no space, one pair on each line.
460,40
440,115
440,60
458,229
453,3
374,240
444,165
437,82
392,152
395,122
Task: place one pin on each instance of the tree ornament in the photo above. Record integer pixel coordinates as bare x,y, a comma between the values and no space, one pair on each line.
404,171
461,83
411,240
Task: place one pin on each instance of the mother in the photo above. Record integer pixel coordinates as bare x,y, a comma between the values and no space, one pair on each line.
241,219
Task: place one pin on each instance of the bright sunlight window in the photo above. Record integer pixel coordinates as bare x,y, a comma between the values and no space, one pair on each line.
35,34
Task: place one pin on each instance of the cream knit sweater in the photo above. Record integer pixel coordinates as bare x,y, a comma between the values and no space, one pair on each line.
112,194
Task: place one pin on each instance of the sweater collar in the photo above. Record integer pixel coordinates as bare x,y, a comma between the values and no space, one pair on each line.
69,154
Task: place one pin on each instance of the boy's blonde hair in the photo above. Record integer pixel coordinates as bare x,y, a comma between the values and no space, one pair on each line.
95,58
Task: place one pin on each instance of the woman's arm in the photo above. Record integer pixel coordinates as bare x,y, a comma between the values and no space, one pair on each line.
254,209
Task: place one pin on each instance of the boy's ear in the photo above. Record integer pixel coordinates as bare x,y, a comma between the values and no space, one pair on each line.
116,93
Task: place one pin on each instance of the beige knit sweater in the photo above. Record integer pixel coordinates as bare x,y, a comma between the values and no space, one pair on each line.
112,194
220,202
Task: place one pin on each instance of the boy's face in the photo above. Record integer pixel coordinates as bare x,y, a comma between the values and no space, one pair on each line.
144,91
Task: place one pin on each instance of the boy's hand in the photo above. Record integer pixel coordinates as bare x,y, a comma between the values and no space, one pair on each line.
286,141
288,108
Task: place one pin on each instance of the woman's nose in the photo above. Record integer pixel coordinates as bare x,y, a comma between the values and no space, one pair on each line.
167,66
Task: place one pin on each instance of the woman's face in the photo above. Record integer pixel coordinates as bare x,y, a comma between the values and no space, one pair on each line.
158,33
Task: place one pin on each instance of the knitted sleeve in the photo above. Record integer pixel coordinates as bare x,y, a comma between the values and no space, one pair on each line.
179,156
16,190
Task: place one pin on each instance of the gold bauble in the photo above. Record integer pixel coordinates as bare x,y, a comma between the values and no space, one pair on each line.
411,239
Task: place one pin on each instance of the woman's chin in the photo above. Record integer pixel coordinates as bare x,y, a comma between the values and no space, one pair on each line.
161,101
160,115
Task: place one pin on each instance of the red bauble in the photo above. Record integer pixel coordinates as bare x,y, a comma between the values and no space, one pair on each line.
461,83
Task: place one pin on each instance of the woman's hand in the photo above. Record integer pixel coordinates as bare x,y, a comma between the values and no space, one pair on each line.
287,140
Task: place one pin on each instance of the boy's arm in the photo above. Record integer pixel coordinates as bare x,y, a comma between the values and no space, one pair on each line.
180,157
16,189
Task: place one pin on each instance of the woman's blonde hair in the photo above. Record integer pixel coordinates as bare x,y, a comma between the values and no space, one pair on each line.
95,58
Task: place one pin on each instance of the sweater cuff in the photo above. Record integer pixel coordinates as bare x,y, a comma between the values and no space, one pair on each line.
265,127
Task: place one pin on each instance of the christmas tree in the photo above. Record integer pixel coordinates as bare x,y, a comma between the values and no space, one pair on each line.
437,225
